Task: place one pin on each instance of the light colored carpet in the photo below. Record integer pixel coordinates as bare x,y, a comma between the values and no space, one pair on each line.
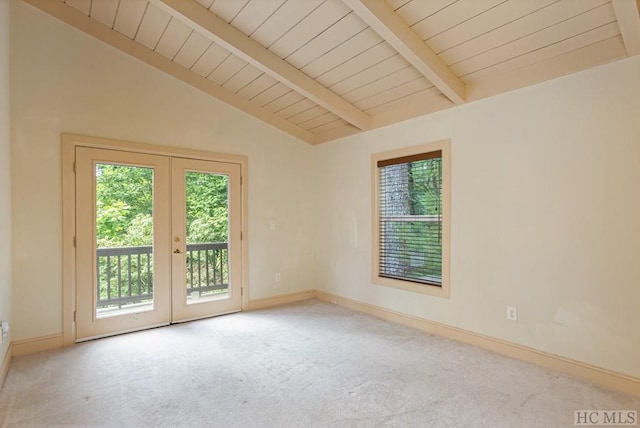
308,364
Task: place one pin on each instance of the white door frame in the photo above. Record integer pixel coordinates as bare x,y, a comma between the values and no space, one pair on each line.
69,144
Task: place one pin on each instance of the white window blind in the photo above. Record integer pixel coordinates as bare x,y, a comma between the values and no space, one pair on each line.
410,218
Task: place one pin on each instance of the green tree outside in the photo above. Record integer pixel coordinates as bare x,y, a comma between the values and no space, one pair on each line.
124,218
124,206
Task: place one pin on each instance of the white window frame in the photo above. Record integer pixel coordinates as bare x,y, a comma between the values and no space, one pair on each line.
441,291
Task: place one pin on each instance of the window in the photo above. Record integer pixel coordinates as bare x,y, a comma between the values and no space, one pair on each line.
411,218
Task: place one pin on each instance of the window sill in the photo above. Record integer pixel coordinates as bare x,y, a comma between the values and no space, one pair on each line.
415,287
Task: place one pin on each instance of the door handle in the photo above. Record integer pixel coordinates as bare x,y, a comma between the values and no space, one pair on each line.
177,251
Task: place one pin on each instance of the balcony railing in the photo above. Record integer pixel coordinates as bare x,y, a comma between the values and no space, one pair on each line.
125,274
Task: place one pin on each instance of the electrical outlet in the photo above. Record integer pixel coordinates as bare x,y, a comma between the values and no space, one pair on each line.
278,277
272,224
512,313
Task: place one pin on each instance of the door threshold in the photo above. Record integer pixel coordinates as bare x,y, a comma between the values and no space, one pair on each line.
235,311
133,330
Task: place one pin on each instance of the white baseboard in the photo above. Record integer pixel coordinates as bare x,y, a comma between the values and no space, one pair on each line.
4,368
282,299
37,344
599,376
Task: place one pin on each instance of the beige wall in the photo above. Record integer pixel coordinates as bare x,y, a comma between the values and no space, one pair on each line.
545,216
5,175
66,81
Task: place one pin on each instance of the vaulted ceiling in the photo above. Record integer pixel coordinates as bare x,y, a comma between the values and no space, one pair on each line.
324,69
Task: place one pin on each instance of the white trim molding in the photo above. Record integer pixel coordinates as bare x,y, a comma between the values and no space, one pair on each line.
628,14
281,299
37,344
4,368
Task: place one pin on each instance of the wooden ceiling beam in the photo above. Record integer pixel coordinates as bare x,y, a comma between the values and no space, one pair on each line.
628,14
210,25
101,32
379,15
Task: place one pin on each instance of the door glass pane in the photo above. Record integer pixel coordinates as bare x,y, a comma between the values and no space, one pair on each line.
124,239
207,224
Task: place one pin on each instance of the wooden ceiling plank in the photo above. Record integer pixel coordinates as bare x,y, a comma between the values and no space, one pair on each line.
528,24
283,20
256,87
210,60
418,104
92,27
319,121
83,6
254,14
192,50
153,24
418,10
228,9
206,3
313,24
338,33
104,11
298,107
352,47
227,69
371,74
284,101
485,22
357,64
129,15
552,68
554,50
449,17
397,92
305,115
270,94
173,38
245,76
409,101
387,82
381,17
627,12
328,126
397,4
565,30
251,51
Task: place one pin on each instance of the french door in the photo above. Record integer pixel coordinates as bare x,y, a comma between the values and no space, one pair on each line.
157,240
